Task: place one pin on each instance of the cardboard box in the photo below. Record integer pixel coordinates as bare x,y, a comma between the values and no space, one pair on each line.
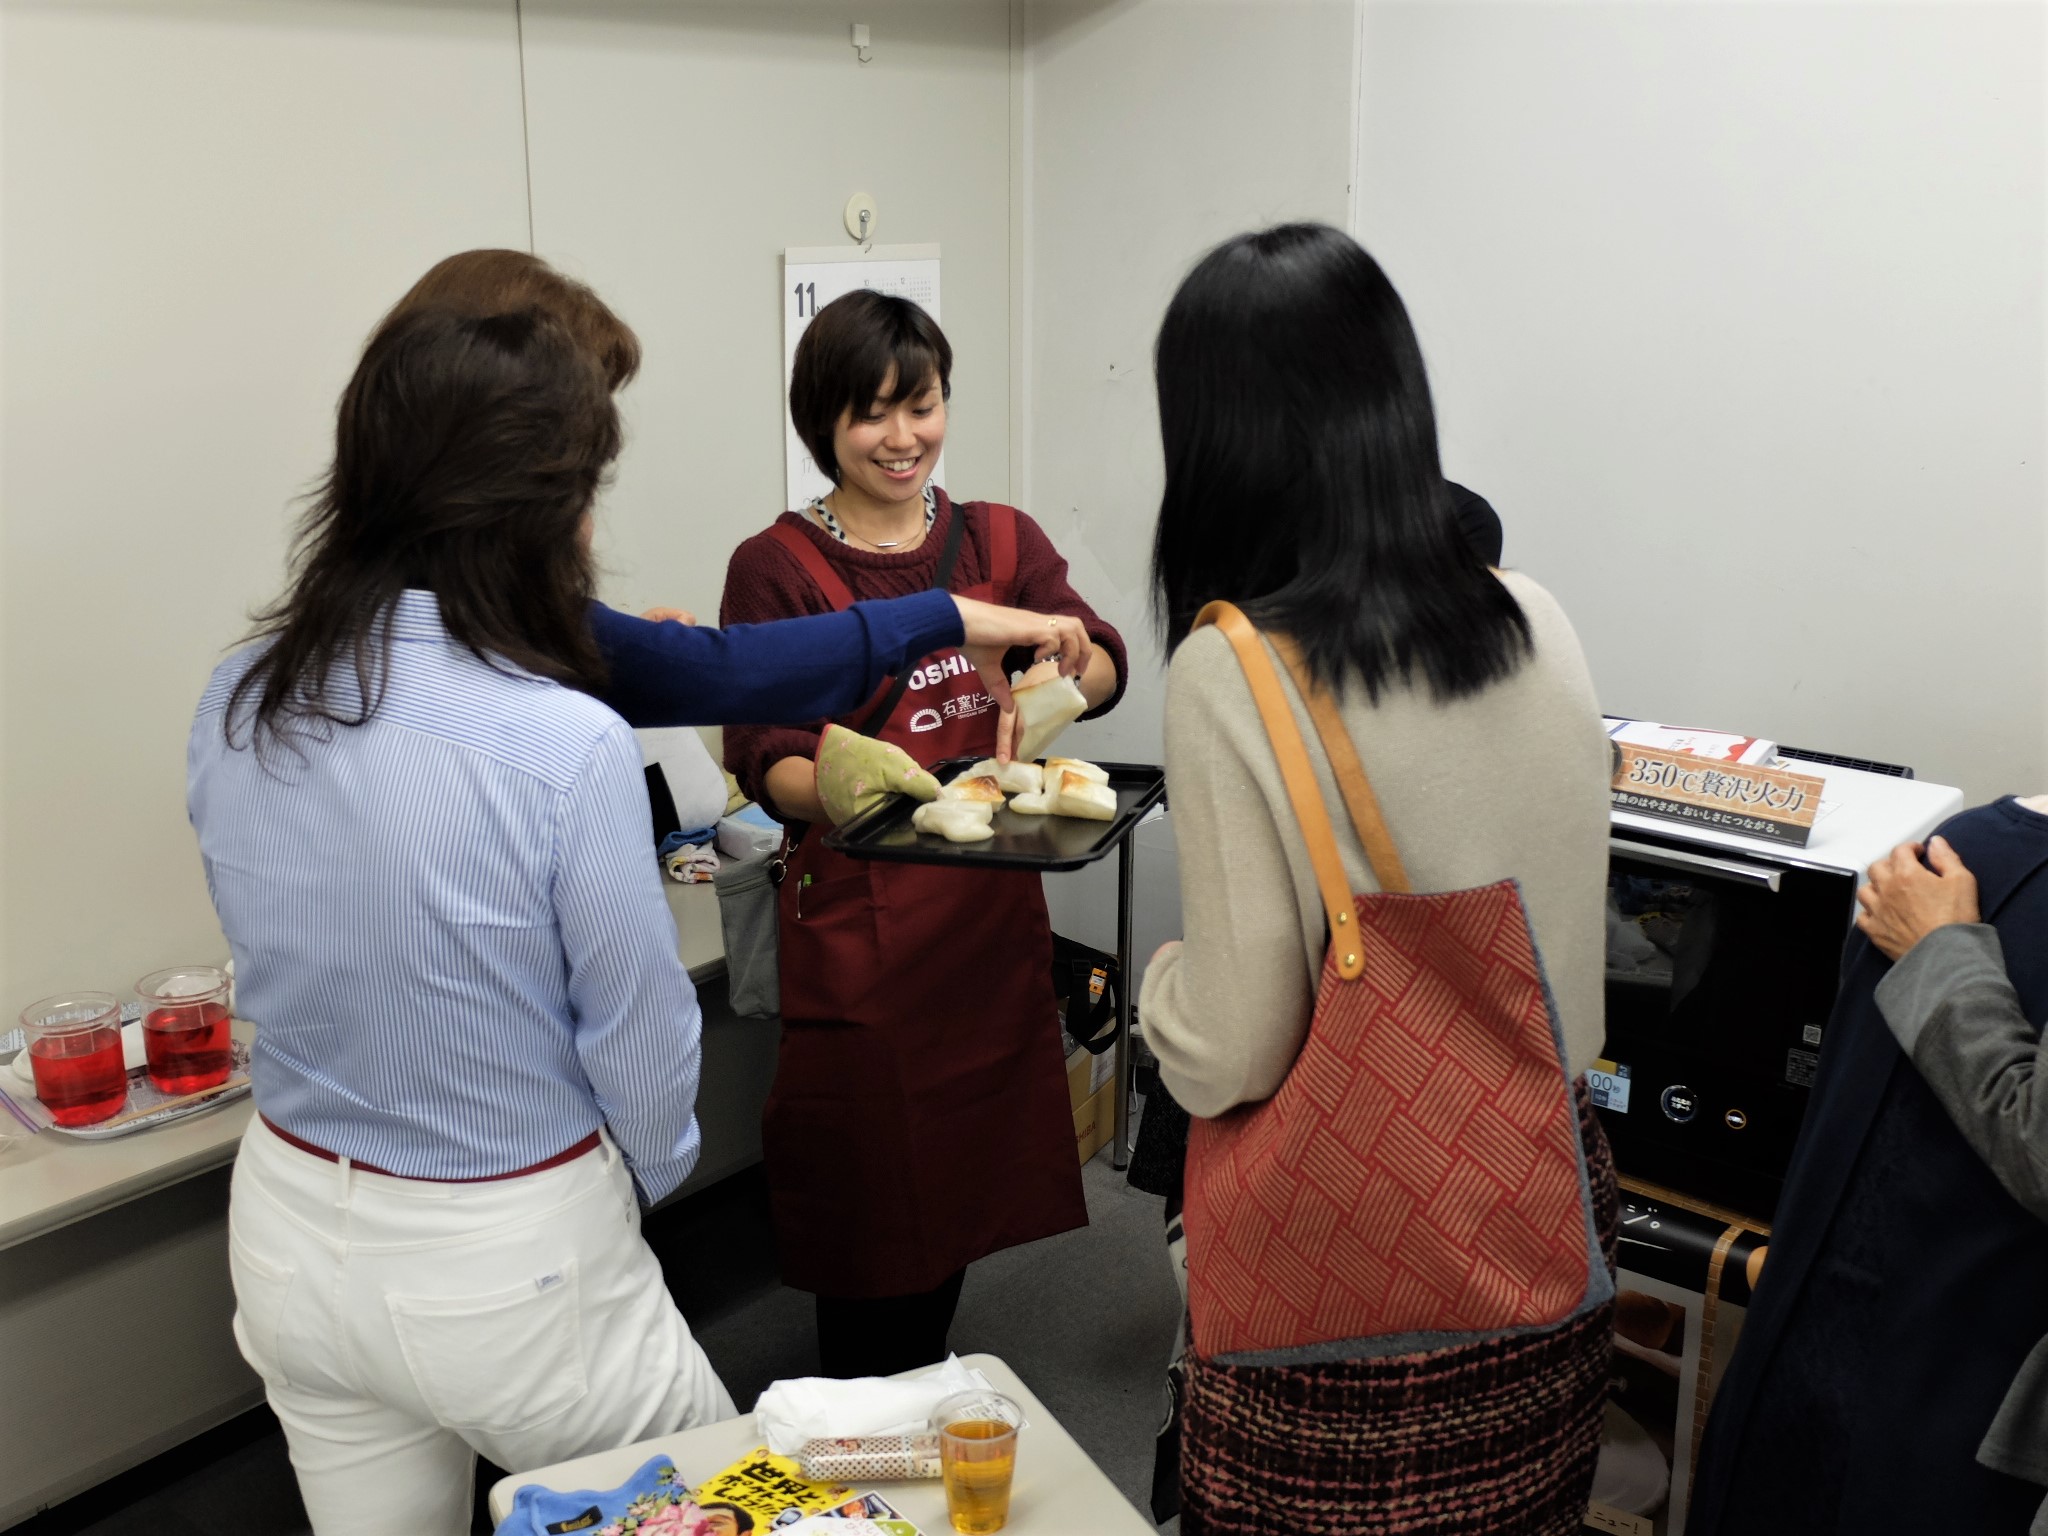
1086,1074
1095,1120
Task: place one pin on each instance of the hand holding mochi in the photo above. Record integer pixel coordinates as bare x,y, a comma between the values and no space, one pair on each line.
1047,703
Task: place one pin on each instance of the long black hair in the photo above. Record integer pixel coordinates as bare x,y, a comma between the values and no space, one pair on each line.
468,450
1302,480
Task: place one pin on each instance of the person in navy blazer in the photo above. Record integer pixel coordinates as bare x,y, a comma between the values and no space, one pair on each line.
1905,1287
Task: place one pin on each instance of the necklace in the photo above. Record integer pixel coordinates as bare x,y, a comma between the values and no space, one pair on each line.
832,524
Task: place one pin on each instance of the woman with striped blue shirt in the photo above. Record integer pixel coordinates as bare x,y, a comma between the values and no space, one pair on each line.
477,1050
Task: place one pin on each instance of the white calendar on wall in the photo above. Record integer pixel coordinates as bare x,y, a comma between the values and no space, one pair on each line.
814,276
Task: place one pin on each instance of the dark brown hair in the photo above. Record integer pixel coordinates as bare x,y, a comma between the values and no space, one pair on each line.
467,451
846,355
490,282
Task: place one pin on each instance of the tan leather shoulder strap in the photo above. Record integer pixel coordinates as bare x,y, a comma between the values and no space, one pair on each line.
1339,908
1352,783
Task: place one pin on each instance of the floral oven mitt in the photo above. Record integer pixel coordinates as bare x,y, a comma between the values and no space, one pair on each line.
856,772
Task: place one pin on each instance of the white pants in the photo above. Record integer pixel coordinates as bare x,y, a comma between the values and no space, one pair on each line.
401,1326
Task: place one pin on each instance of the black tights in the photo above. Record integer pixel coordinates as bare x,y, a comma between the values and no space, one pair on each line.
881,1335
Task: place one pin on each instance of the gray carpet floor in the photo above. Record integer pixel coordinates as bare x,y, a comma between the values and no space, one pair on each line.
1086,1319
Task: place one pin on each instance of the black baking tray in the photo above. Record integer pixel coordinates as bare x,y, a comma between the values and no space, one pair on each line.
1021,842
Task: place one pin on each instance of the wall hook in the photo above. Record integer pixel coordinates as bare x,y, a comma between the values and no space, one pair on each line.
862,49
860,218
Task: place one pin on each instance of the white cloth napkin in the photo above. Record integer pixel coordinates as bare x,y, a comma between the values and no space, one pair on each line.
808,1408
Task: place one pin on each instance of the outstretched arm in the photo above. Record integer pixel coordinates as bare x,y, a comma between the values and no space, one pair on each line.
780,673
790,671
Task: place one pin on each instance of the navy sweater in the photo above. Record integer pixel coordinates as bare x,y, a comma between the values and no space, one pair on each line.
784,673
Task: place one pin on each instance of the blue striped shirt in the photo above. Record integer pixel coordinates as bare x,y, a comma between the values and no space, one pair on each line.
448,924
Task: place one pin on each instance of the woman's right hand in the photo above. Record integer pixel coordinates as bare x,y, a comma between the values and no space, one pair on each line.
993,630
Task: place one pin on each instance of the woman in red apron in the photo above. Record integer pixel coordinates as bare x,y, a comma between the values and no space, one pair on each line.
919,1118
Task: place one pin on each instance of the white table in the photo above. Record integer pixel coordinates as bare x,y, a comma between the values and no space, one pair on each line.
1058,1492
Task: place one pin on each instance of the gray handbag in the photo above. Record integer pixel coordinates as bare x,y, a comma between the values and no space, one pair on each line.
746,915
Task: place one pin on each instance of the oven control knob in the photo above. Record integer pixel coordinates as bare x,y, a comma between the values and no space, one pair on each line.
1679,1103
1735,1120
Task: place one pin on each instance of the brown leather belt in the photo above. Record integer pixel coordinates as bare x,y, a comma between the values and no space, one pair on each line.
589,1143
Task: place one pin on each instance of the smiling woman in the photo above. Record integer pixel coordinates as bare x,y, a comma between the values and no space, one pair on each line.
868,395
918,1016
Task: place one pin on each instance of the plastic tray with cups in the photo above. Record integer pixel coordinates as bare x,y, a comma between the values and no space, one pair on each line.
86,1065
1036,812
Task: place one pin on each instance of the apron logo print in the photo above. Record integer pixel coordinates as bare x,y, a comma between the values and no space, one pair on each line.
926,720
955,665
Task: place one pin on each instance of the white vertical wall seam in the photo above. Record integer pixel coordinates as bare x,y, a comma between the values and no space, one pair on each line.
1354,191
525,132
1021,186
6,837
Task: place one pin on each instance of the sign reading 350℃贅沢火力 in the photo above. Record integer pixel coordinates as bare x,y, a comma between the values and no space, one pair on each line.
1727,797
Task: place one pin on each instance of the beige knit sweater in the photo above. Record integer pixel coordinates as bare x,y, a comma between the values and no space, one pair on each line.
1511,781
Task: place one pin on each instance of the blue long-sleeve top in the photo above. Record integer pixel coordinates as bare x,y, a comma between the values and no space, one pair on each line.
445,920
794,670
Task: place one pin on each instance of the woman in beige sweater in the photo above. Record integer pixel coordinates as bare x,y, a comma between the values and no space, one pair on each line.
1303,485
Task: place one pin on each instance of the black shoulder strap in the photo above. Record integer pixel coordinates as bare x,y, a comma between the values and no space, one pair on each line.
949,557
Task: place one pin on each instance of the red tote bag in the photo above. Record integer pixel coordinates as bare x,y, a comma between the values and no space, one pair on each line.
1419,1175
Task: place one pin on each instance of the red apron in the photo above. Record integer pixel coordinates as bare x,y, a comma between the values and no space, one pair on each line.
919,1118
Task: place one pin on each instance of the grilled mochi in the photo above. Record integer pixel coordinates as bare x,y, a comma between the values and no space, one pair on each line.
1047,703
983,788
1084,798
957,821
1014,777
1055,766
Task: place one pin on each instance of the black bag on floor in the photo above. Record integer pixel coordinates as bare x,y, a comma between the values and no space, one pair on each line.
1087,983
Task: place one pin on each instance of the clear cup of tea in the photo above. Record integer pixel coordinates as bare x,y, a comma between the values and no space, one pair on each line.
185,1028
74,1053
978,1458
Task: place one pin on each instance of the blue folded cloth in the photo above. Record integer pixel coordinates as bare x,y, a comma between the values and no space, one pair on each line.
537,1511
692,839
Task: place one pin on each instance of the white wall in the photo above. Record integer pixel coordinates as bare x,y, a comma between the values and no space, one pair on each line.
1735,312
678,147
1677,266
1153,130
205,206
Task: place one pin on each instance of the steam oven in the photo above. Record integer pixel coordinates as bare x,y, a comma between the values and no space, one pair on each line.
1723,954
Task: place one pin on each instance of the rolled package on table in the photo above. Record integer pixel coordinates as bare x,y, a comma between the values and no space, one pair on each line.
868,1457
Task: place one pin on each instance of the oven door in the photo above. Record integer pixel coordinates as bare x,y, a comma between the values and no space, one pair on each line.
1721,970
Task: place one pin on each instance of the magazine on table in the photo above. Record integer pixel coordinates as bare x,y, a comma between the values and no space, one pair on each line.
777,1497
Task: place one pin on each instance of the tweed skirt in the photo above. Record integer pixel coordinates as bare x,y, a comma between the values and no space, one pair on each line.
1497,1437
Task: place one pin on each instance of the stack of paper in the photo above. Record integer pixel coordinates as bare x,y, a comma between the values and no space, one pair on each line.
1722,746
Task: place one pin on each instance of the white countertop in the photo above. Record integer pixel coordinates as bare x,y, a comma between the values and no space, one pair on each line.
1058,1490
49,1181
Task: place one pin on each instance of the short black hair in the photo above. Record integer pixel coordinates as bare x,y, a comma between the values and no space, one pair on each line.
1302,479
846,355
741,1520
